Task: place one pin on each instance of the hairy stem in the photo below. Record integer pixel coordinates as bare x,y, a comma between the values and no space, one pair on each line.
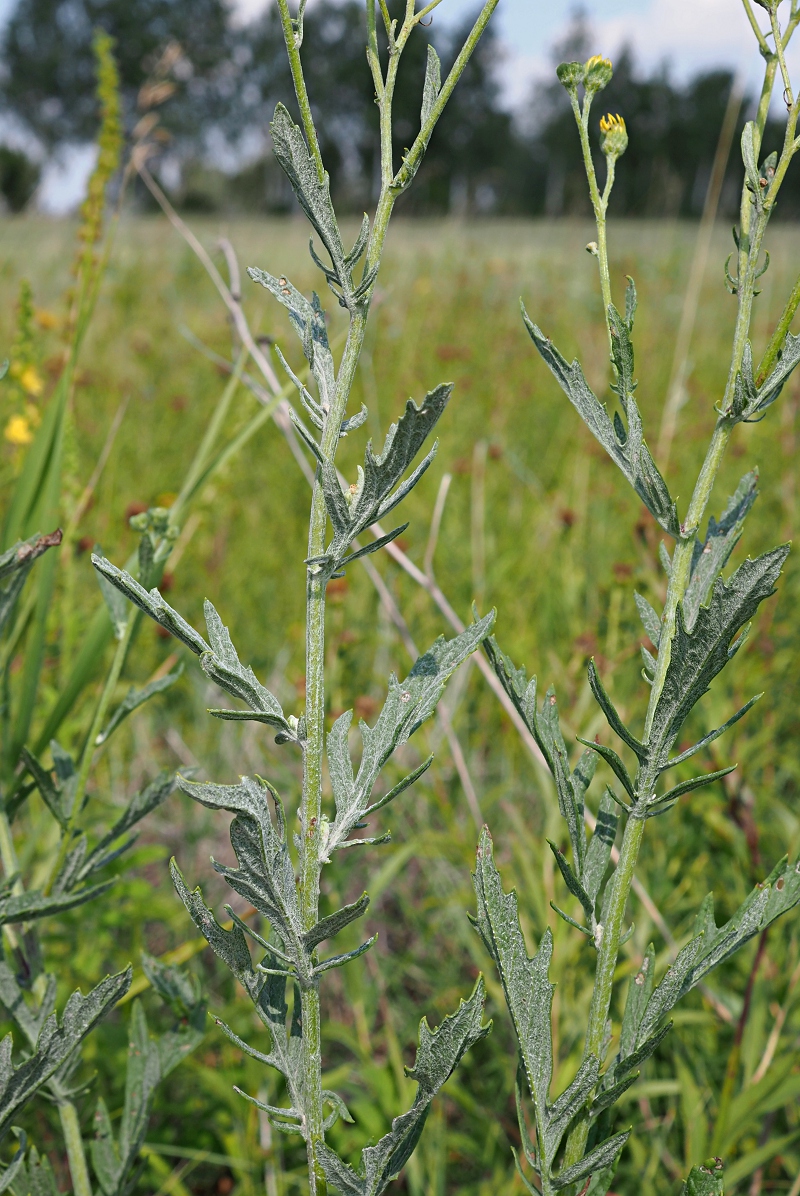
599,202
607,954
298,79
87,756
754,219
71,1129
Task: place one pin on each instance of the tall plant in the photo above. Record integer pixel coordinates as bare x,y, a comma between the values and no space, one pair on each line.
65,854
286,892
702,625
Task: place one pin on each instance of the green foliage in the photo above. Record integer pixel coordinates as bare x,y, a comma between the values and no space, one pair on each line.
702,627
265,876
438,1054
706,1179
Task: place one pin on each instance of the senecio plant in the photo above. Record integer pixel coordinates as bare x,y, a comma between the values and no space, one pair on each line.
284,980
702,626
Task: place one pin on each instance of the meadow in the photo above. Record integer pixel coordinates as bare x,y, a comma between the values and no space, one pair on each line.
536,523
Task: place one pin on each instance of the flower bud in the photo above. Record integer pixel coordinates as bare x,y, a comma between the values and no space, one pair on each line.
597,73
613,135
570,74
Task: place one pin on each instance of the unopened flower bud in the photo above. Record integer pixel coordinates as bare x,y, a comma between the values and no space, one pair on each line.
570,74
592,248
597,73
613,135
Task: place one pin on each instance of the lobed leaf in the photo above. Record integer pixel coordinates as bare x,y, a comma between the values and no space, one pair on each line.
710,557
598,852
314,197
604,1155
697,656
221,663
374,495
571,786
56,1042
526,984
152,604
32,905
438,1054
135,698
408,704
710,945
265,876
626,448
140,805
707,1179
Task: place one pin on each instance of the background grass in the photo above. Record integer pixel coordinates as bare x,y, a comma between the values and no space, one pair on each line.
539,524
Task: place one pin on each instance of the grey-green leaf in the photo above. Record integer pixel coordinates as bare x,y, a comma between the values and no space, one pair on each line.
57,1040
650,620
152,604
135,698
598,853
602,1156
432,86
408,704
778,893
526,984
707,1179
438,1054
697,656
710,557
627,449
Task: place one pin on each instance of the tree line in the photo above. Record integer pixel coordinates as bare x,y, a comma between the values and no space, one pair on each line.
225,78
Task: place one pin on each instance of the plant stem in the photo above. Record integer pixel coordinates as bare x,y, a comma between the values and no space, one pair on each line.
73,1141
317,578
87,756
599,202
622,880
621,883
300,90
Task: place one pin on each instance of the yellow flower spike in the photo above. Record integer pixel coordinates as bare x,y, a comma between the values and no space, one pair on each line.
613,135
31,382
18,430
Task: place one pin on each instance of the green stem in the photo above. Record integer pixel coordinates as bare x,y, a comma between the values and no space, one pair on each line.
621,883
298,79
778,40
71,1129
316,579
87,756
767,363
622,880
599,202
415,154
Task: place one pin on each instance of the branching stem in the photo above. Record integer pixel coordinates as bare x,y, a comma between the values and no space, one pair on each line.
755,214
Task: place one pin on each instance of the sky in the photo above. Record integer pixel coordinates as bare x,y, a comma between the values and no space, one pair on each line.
690,35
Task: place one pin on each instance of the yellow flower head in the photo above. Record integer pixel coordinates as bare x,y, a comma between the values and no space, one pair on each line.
46,319
31,382
598,72
18,430
613,135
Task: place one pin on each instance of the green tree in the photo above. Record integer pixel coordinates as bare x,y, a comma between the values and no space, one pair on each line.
49,70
